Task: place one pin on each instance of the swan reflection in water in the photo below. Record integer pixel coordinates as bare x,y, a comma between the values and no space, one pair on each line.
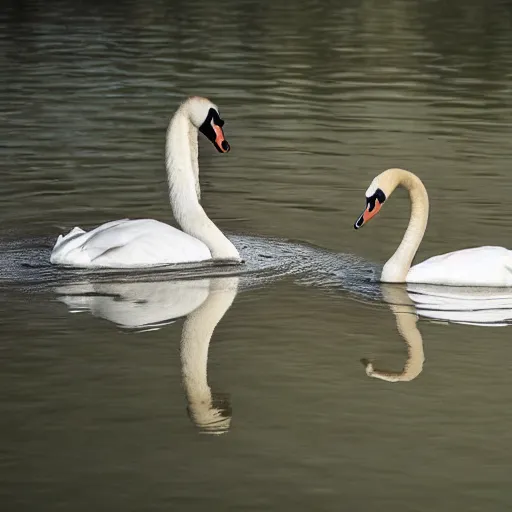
151,305
486,307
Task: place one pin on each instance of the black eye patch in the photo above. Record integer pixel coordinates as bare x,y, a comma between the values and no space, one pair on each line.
206,128
213,115
217,120
370,201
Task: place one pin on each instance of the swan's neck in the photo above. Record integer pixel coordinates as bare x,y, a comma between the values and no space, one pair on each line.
397,267
184,192
195,340
194,158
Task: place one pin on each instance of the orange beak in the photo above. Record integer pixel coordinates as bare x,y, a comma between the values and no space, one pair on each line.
367,214
220,141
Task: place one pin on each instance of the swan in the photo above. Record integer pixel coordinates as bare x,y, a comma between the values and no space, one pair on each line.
147,242
480,266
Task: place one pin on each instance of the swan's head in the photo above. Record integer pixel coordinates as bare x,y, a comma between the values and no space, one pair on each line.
204,115
375,197
379,190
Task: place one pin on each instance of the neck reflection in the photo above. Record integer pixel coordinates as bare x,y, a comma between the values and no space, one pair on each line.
150,305
406,322
484,307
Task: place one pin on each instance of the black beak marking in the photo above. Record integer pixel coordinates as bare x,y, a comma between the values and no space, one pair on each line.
207,130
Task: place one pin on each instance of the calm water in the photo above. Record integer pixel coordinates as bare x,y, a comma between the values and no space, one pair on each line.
104,395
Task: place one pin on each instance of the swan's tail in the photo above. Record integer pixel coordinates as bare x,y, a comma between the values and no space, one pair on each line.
76,231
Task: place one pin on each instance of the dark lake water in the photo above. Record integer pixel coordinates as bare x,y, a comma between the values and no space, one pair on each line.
106,402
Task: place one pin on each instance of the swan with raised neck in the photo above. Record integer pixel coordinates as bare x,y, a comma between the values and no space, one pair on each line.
146,242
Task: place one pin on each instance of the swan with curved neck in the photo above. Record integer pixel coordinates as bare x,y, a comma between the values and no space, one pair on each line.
478,266
146,242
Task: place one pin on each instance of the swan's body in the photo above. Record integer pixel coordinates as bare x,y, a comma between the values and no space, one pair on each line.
128,243
479,266
146,242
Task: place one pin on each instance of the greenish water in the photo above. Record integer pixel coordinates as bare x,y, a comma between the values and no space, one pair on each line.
317,100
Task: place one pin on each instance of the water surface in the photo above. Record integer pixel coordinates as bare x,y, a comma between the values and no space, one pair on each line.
96,412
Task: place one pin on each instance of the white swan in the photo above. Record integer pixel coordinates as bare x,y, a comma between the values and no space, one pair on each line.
479,266
146,242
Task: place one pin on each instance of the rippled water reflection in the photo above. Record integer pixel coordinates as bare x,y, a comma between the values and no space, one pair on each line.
103,379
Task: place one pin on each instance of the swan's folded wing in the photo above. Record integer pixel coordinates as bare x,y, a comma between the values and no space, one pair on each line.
128,244
479,266
69,247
